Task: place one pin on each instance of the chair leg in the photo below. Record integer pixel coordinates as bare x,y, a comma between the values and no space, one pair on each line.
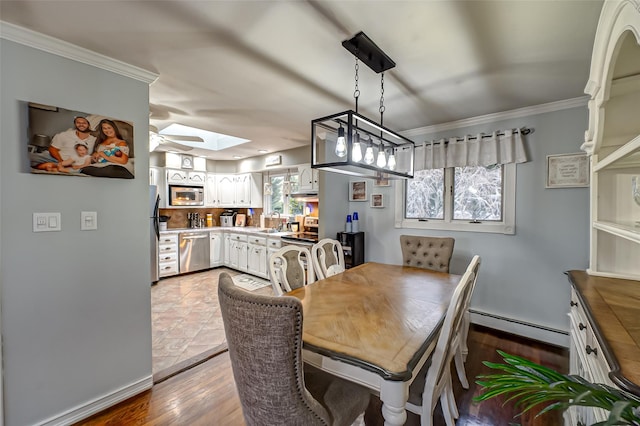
462,374
452,399
465,333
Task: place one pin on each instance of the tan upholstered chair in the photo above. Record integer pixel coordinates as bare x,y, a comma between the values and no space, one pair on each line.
427,252
290,268
433,381
327,257
264,334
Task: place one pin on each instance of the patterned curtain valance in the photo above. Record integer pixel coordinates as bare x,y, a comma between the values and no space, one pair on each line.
501,147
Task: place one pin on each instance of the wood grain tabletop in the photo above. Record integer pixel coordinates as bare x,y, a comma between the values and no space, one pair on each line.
377,316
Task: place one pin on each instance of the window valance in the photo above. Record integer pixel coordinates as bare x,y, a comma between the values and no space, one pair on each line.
501,147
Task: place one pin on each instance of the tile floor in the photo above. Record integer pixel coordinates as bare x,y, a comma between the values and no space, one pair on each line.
186,317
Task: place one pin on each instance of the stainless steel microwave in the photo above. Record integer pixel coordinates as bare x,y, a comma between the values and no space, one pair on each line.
182,195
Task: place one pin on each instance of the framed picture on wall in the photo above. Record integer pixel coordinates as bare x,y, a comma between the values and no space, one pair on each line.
74,143
567,171
377,201
358,191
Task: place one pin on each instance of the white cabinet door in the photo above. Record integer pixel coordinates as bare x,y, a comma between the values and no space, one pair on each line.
227,249
243,190
210,194
307,178
226,190
179,177
215,247
196,178
243,253
234,254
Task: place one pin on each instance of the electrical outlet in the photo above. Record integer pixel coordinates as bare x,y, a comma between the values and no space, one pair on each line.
46,222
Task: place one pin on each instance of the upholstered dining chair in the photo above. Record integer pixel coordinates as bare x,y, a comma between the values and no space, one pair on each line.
290,268
427,252
264,335
460,342
327,257
433,381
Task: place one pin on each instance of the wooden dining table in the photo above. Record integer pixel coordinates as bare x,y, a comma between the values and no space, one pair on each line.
375,325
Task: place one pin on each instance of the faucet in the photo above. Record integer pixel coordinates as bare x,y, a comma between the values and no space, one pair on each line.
279,227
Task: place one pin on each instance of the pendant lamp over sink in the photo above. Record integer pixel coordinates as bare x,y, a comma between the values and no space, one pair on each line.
350,143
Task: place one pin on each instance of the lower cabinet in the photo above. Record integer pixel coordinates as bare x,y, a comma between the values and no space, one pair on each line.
215,249
257,256
168,255
586,359
273,245
238,248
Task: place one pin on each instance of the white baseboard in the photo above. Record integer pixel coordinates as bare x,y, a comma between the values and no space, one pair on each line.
92,407
521,328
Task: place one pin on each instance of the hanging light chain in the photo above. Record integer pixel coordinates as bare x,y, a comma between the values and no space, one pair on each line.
356,92
381,97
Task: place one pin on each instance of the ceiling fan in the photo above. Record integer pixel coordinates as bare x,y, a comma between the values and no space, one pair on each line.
170,141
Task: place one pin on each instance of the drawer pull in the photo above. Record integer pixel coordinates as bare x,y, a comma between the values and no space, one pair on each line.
591,350
572,303
581,326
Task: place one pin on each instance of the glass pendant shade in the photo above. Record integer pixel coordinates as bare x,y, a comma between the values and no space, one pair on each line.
382,160
341,144
391,163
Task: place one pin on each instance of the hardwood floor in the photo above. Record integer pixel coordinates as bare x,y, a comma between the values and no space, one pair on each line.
206,394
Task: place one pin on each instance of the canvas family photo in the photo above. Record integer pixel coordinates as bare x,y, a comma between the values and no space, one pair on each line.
74,143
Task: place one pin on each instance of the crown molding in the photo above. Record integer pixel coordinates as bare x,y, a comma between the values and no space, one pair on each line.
67,50
490,118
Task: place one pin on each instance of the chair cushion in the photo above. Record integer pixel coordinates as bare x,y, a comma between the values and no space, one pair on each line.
344,400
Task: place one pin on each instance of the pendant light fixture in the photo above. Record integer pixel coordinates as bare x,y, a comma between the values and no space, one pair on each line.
337,140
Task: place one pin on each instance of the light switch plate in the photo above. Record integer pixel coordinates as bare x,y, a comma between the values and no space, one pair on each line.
88,221
46,222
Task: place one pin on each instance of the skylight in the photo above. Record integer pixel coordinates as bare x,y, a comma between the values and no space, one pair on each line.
213,141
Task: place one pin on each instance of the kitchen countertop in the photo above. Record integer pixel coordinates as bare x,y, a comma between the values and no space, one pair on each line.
237,229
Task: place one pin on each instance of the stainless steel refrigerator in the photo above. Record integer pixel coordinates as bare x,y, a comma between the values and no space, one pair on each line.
154,202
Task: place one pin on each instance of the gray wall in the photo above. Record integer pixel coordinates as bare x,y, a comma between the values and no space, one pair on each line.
76,317
521,276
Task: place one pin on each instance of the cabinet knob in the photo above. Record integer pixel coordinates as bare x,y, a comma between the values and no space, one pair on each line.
581,326
591,350
572,303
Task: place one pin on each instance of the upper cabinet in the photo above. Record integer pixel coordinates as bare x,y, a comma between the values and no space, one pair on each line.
613,141
307,179
182,177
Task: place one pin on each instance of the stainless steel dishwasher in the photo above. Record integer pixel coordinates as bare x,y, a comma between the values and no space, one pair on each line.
194,251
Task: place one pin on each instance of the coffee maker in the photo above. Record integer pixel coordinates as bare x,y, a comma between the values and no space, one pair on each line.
227,218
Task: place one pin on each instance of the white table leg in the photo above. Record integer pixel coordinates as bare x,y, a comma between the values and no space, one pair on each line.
394,399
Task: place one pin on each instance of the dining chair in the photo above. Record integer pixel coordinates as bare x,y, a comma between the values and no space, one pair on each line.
290,268
433,381
460,342
327,257
427,252
264,336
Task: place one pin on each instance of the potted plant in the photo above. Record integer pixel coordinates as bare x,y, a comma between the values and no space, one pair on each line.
529,384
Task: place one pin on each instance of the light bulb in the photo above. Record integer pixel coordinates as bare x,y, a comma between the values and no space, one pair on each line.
356,151
382,160
341,144
368,155
392,161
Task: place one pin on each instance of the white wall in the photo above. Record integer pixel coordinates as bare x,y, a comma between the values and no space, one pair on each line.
521,277
76,317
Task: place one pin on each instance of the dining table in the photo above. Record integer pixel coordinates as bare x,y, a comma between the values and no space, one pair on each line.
375,325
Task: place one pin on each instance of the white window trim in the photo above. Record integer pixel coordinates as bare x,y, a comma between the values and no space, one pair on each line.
506,226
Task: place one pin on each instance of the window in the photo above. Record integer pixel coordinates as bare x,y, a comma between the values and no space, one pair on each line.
480,199
279,200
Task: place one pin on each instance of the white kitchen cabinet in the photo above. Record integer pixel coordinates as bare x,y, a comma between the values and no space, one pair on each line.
226,190
156,177
257,256
273,245
196,178
168,255
226,251
210,191
308,178
238,250
215,248
243,190
613,142
183,177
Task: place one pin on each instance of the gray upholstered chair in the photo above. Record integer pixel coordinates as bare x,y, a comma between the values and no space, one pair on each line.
427,252
327,257
264,334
